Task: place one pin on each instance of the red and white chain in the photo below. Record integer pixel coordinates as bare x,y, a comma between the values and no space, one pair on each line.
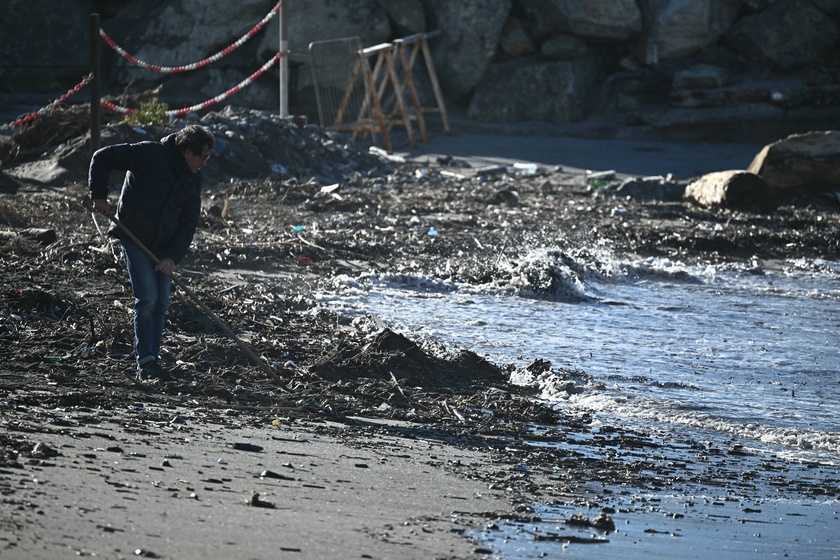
180,112
186,67
168,69
32,116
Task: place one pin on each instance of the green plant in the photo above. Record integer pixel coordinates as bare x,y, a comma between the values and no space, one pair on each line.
150,113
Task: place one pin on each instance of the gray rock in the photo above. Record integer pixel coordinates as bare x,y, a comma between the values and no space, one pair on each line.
180,32
778,54
514,91
801,163
735,189
603,20
564,47
676,28
831,7
471,31
514,40
51,39
407,16
700,76
786,36
322,20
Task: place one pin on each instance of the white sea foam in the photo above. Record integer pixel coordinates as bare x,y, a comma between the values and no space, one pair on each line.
665,413
740,349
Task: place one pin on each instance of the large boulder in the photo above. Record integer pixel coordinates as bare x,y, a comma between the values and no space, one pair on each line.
407,16
181,32
831,7
564,47
599,20
515,40
323,20
44,45
471,31
735,189
786,36
513,91
801,163
676,28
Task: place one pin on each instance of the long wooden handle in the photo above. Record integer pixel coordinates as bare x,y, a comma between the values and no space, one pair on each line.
209,312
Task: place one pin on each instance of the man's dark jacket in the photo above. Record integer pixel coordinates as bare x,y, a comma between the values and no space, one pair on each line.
160,202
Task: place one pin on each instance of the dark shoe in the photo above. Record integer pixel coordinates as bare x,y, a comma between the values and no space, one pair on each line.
152,372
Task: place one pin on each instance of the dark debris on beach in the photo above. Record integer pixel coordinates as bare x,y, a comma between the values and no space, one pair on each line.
267,245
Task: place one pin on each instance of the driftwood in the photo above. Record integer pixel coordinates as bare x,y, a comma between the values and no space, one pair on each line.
41,235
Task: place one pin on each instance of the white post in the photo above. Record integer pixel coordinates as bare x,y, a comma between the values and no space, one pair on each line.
284,62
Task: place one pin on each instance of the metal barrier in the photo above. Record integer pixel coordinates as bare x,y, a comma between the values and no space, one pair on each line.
344,87
354,95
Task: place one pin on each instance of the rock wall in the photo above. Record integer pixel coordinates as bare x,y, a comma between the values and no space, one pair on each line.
664,64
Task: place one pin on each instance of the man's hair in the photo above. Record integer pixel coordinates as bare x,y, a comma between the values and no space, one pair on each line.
194,137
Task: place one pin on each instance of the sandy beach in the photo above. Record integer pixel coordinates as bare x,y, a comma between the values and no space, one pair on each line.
376,447
182,483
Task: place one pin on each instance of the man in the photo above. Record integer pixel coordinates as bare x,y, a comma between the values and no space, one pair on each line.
160,205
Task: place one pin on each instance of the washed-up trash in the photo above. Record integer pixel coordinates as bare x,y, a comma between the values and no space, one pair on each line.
432,232
257,501
379,152
599,179
491,170
603,522
274,475
278,171
525,168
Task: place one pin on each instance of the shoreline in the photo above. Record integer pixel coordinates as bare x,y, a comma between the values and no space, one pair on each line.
409,481
165,481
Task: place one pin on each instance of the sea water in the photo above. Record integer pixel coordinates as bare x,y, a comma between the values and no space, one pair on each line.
744,354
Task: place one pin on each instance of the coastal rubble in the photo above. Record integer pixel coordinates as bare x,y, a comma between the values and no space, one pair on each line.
268,246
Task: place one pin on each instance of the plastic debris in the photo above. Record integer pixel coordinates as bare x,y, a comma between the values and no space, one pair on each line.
525,168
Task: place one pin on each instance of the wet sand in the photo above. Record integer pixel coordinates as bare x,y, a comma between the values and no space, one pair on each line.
170,483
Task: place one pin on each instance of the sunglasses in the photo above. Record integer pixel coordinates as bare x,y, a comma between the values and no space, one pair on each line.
204,157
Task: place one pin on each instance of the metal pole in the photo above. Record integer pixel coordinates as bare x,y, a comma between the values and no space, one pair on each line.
94,84
284,61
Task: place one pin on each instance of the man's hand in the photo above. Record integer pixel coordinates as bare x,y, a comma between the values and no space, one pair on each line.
166,266
102,206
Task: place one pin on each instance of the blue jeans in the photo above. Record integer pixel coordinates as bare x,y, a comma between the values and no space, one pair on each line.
151,301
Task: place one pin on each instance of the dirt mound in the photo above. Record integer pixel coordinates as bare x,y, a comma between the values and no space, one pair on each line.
393,356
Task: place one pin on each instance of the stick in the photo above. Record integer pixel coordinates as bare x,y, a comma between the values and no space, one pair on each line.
209,312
